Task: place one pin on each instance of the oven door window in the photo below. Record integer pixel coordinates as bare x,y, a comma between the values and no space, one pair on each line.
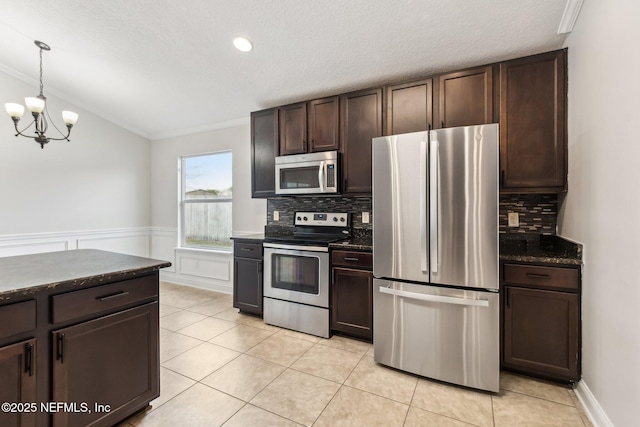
300,177
296,273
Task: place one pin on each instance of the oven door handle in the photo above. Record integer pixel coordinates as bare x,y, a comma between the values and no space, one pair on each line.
296,247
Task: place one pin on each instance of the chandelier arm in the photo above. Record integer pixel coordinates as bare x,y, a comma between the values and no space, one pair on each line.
56,127
19,132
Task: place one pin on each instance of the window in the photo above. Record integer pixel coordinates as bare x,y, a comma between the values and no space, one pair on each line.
205,200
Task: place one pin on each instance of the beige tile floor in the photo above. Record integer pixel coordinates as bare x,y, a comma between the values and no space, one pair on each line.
223,368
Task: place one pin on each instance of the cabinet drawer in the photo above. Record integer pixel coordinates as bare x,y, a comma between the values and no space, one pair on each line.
352,259
17,318
247,250
73,305
555,277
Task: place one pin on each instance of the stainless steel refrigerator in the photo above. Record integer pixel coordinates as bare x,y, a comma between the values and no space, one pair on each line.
435,254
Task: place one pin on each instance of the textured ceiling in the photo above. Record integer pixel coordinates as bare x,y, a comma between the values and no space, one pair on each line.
166,67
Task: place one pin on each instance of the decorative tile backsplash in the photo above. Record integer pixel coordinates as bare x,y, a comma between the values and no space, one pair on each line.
538,213
288,206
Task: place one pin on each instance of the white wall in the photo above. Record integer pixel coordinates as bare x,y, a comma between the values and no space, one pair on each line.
97,183
201,268
603,202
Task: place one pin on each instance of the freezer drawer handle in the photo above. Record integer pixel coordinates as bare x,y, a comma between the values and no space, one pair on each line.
434,298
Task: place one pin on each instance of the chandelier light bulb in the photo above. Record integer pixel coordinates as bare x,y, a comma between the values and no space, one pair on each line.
35,105
14,110
69,118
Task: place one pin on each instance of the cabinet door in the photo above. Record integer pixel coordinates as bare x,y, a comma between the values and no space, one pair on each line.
360,121
533,141
18,382
264,149
541,332
352,302
323,124
466,97
409,107
293,128
112,360
247,285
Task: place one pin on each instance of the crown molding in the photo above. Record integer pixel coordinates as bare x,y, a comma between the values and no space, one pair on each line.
569,16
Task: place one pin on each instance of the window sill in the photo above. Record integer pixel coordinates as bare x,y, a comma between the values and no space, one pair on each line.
216,251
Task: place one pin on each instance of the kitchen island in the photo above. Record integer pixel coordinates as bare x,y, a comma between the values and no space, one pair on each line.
78,337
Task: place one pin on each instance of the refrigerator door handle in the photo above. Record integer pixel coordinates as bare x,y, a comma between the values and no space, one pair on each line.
434,176
424,263
434,298
321,176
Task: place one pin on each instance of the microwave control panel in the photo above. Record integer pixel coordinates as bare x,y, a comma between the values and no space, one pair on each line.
331,175
330,219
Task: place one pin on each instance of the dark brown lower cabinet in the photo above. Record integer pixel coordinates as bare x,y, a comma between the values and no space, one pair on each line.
541,326
352,293
18,382
247,276
110,364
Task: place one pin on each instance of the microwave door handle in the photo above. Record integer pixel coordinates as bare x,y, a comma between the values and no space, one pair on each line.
321,177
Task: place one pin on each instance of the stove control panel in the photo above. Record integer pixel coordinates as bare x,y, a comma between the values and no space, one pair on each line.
330,219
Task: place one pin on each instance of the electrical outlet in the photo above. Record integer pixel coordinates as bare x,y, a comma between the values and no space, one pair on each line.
513,219
276,216
365,217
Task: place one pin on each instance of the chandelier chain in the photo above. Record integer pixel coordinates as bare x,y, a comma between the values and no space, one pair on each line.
41,84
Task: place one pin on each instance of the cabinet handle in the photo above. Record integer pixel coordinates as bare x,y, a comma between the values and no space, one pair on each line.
350,259
260,268
116,295
246,249
538,276
502,177
429,126
60,355
304,145
508,297
29,359
442,123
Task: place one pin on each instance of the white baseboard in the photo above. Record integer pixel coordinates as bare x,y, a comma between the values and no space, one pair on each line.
594,411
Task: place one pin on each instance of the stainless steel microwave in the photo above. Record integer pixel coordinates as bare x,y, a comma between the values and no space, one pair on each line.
312,173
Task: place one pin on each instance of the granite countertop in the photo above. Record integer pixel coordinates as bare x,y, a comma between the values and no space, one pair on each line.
539,248
254,236
27,274
360,243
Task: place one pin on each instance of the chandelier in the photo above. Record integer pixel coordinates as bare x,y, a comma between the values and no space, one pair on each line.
38,109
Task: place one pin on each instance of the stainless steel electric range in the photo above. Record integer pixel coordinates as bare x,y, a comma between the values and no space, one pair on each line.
296,272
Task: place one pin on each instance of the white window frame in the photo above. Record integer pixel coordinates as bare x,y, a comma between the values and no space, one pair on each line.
182,202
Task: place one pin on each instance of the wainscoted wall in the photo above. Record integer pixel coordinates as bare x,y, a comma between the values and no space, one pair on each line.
192,267
288,206
132,241
538,213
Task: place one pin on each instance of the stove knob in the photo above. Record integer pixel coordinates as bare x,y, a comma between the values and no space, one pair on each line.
305,218
298,218
335,219
342,219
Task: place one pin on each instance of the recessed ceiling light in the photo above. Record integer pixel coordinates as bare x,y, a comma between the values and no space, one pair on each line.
242,44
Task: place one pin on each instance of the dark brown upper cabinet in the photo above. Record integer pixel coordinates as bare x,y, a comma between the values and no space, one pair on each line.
533,134
360,121
323,124
307,127
293,128
465,98
409,107
264,149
